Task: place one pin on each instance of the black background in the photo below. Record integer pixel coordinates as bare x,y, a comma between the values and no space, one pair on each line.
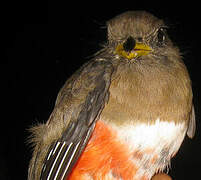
45,42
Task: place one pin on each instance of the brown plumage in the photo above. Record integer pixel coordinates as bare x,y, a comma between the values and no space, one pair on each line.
138,82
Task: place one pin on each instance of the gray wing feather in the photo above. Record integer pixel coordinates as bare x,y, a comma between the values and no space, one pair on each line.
192,124
64,153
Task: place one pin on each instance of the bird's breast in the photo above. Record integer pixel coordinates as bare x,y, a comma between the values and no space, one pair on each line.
149,112
146,95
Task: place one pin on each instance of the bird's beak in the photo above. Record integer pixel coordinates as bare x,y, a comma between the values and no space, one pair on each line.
140,49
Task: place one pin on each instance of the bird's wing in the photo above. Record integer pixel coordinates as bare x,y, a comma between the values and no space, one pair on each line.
192,124
80,103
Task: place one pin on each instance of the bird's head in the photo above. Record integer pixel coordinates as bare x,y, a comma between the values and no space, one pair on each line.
135,34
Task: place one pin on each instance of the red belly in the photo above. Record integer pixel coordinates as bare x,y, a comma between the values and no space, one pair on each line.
105,157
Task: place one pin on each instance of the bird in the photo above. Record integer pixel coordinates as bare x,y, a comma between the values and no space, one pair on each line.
123,114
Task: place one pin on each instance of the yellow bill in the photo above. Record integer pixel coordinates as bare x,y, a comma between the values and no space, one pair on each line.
140,49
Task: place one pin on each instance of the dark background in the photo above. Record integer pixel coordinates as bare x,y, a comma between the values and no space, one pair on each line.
44,43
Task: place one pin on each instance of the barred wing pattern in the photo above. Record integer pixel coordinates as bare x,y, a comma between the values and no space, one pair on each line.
64,153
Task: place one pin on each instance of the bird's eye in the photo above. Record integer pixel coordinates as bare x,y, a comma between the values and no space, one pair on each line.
161,36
